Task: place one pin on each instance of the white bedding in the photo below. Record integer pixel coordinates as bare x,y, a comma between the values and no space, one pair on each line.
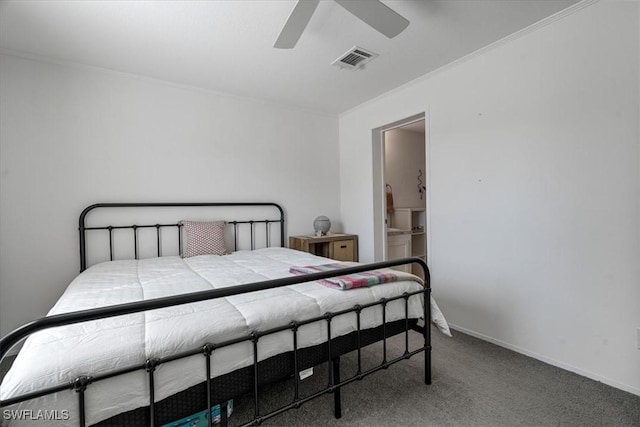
56,356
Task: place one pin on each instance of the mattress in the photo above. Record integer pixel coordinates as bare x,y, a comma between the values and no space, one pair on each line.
58,355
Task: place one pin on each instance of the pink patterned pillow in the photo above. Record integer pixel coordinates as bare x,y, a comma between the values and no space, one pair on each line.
203,238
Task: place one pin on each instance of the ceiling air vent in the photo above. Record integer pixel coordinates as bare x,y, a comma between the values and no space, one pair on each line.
355,58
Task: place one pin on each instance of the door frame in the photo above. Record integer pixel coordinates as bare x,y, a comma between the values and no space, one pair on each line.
379,187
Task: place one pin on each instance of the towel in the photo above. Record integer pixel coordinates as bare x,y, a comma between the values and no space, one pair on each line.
370,278
356,280
390,208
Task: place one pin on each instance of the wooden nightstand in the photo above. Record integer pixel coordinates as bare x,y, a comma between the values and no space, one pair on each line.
341,247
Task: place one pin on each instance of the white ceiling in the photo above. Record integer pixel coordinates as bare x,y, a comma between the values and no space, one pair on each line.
227,46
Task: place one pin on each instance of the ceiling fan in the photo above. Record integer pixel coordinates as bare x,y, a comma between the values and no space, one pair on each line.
373,12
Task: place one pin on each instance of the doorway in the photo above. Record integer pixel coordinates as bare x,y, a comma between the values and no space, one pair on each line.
401,184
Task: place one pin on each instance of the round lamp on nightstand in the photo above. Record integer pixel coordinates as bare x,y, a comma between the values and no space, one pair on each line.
321,225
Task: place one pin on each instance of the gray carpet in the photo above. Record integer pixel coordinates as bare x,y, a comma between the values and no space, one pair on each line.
475,383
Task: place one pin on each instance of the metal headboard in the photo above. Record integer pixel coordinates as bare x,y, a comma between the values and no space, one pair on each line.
83,228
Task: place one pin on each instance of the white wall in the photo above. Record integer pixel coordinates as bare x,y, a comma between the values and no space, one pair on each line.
72,136
404,153
535,187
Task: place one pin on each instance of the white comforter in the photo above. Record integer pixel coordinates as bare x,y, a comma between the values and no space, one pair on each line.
58,355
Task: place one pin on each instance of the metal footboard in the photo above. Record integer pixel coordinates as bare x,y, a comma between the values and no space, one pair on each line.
84,384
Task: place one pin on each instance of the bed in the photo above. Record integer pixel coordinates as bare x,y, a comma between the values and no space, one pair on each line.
155,338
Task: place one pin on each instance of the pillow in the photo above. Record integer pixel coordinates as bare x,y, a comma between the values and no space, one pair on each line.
203,238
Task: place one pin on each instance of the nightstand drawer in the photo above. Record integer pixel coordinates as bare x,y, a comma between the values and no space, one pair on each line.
340,246
343,250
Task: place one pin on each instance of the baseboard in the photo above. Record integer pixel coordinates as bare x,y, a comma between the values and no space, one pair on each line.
625,387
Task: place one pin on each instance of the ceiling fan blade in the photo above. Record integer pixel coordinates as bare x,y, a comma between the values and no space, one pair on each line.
296,23
377,15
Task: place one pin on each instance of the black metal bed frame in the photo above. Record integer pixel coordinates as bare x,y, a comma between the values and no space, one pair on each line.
82,383
83,228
